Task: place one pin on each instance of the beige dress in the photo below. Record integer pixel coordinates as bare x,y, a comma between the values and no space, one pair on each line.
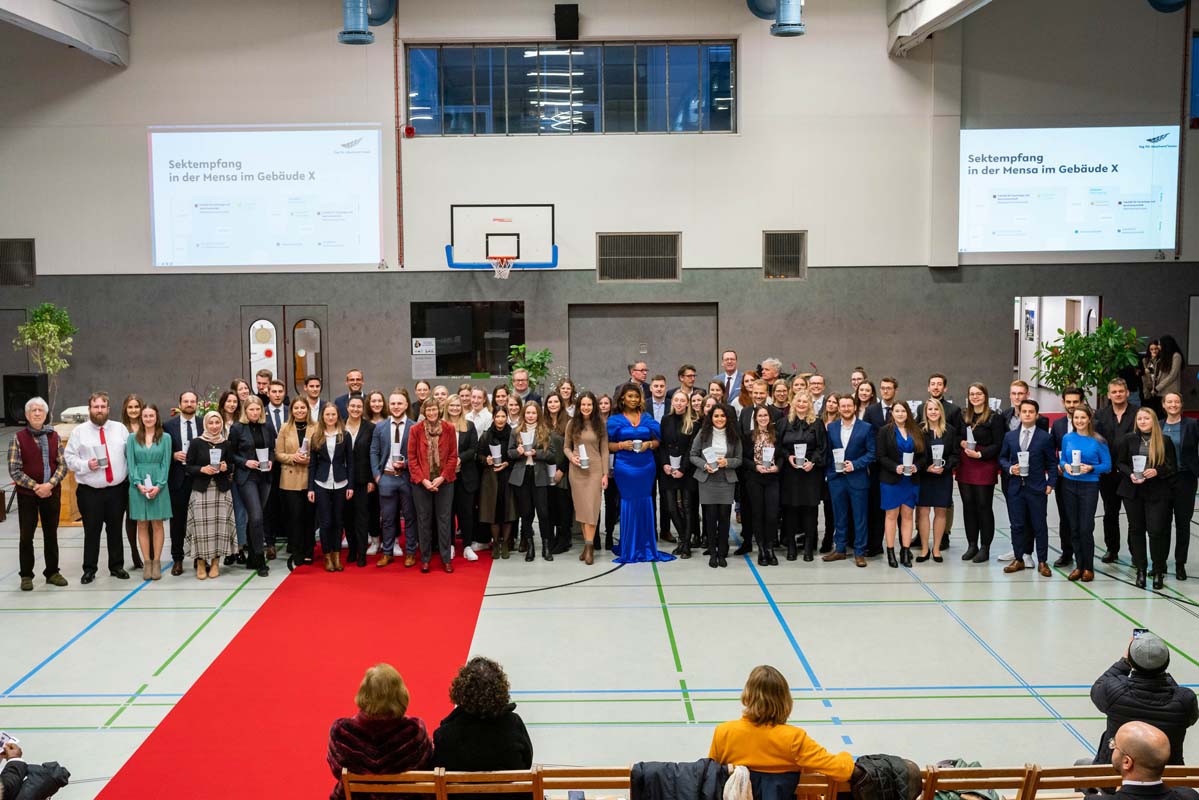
586,485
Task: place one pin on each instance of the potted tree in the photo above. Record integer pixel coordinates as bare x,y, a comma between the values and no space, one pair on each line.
537,364
48,337
1088,361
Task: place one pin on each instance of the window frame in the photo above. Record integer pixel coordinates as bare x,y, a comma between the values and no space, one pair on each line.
601,129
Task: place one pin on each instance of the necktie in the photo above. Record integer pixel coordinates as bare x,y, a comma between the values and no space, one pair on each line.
728,388
1025,438
395,432
278,424
191,433
108,468
886,412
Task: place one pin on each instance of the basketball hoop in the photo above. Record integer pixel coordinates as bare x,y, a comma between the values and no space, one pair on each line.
502,266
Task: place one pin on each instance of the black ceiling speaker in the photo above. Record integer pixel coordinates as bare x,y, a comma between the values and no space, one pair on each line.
566,22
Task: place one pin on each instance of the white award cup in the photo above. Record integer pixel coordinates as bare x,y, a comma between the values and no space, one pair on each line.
497,453
801,454
938,455
909,466
584,460
710,457
970,443
1138,466
214,457
1075,462
553,470
526,438
1022,459
148,483
676,462
264,458
767,456
303,447
397,452
611,460
637,443
839,459
99,454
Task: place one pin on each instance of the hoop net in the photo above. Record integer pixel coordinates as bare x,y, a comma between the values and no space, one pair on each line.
502,266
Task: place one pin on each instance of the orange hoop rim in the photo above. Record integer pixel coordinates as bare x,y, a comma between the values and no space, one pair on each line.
502,266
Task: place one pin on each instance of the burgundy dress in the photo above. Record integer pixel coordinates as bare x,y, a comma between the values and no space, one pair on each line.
377,746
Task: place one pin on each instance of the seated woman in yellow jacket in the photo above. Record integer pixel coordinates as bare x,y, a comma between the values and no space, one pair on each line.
762,740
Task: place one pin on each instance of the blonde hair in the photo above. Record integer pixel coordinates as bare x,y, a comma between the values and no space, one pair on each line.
766,697
382,693
460,423
792,416
252,400
688,423
939,427
1157,447
319,431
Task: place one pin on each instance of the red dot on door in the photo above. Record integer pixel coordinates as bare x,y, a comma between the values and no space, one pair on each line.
268,354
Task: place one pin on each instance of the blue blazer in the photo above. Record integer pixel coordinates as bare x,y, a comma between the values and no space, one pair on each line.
860,452
720,378
1042,461
381,456
342,459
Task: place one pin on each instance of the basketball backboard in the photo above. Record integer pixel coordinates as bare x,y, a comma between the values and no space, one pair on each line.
524,233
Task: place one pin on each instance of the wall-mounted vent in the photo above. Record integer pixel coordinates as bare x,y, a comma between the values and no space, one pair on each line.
638,256
785,254
17,267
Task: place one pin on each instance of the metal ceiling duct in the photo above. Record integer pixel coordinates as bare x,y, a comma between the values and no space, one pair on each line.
358,16
786,15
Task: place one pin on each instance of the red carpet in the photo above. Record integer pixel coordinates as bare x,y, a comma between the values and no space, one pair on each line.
256,723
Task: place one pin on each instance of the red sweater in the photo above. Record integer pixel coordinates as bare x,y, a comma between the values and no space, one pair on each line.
418,453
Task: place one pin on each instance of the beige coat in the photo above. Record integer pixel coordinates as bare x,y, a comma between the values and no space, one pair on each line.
292,477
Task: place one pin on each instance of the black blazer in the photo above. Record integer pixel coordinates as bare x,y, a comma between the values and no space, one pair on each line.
953,413
799,488
1113,431
361,455
676,443
952,442
1058,430
988,436
1188,454
1157,792
177,477
197,458
745,420
889,457
468,459
877,416
1158,487
1009,413
241,449
341,459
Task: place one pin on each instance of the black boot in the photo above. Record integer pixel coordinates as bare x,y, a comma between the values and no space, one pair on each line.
608,540
1140,581
746,547
905,556
771,559
826,545
1159,581
891,562
530,553
547,551
984,555
793,548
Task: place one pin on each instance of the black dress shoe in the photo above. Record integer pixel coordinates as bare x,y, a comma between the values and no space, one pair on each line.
530,554
449,568
1110,557
1180,572
721,561
1064,561
1140,579
230,560
424,566
177,567
874,551
771,559
713,562
970,553
826,546
938,559
241,556
808,556
119,573
1159,581
263,570
762,560
360,562
546,552
685,553
88,577
923,558
668,537
746,547
291,563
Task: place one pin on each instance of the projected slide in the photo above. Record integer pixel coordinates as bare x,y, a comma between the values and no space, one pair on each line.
1045,189
266,196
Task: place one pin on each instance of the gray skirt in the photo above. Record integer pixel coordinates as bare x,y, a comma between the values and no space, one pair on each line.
211,533
716,491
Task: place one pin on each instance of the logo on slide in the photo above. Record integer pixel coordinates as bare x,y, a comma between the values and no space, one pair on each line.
1157,139
350,145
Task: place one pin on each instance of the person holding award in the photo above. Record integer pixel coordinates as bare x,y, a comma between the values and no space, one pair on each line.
634,435
1147,463
586,445
936,484
1083,459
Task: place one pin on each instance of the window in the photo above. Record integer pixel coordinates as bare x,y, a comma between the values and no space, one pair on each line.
264,347
637,256
785,254
306,345
472,338
566,88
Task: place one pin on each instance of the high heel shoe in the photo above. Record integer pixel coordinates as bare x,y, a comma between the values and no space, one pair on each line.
891,562
905,556
920,559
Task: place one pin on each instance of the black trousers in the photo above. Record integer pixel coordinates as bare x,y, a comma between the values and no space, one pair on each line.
272,515
1079,499
978,514
465,503
299,522
179,498
1065,529
532,499
875,516
800,521
1149,518
716,528
764,507
330,514
103,509
826,502
374,516
1183,506
562,511
680,504
691,490
748,534
255,493
357,522
1109,490
611,506
29,508
664,516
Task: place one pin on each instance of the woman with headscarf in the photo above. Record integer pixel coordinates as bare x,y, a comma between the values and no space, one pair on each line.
211,533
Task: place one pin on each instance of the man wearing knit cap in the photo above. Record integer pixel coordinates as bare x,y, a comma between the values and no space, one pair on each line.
1137,688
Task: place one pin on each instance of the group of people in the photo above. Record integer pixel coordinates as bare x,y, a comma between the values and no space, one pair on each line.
400,475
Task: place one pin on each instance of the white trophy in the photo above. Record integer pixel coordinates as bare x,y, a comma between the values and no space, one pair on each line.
801,453
938,455
839,459
584,460
710,456
1138,466
1075,462
1022,459
214,457
263,455
909,466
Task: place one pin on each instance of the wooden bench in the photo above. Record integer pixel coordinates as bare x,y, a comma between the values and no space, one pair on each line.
431,782
967,778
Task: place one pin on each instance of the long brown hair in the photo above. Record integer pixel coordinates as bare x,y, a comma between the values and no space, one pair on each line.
541,432
1157,447
766,697
577,424
127,420
318,434
141,432
910,428
968,415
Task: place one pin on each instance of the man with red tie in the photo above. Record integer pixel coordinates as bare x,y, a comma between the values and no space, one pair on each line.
96,454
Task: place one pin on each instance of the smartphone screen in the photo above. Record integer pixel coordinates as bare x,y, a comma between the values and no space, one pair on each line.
1137,633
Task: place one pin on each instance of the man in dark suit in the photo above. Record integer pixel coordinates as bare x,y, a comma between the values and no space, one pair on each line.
182,428
657,405
849,486
391,476
638,374
1071,399
686,382
1028,489
354,382
1186,479
521,388
1113,422
1017,392
1139,753
759,390
276,413
312,393
879,414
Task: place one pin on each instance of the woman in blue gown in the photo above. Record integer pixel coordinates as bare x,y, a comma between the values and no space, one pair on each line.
634,470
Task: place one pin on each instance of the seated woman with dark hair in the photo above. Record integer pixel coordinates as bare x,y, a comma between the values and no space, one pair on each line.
379,739
763,742
483,732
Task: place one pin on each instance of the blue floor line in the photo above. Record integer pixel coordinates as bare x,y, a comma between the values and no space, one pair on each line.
75,638
98,694
737,689
999,659
778,614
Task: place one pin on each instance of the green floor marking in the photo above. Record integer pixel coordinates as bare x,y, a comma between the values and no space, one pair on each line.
687,700
674,648
124,706
204,624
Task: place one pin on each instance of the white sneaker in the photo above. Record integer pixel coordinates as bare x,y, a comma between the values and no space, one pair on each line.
374,548
1008,556
469,554
1028,562
477,546
396,551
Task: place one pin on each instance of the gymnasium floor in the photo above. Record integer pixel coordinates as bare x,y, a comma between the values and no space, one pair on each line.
611,666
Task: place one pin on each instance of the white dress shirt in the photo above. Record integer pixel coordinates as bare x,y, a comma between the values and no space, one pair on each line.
846,433
659,410
183,437
481,419
328,482
79,451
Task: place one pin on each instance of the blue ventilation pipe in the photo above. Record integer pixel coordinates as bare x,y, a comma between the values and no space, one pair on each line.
784,13
358,16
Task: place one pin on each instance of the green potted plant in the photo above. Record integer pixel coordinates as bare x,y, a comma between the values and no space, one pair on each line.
1088,361
537,364
48,337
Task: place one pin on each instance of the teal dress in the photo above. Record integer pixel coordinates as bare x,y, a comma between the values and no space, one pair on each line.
154,461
